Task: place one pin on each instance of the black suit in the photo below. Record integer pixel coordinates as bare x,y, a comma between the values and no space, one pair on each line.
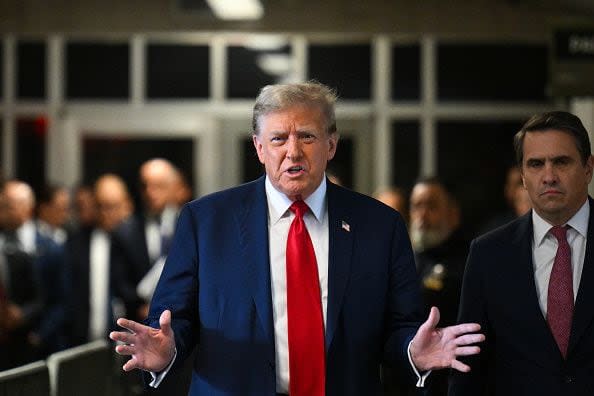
520,356
36,284
78,249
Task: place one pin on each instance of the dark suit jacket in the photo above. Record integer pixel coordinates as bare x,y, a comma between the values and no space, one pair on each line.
78,248
217,284
53,279
130,262
520,356
37,285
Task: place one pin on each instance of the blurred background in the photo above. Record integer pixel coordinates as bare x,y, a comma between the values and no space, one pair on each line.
91,92
427,88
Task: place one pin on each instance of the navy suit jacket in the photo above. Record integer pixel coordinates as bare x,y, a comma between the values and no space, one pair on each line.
520,355
217,283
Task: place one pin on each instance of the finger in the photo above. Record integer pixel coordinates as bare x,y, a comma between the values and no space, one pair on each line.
468,339
432,320
463,328
467,351
458,365
119,335
123,336
165,322
131,325
130,364
125,349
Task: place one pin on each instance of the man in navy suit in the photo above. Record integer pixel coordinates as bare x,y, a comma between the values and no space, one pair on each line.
224,287
530,283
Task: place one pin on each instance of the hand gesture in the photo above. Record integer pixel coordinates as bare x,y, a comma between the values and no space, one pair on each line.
436,348
151,349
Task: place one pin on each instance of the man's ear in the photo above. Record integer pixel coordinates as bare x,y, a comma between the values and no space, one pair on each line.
258,147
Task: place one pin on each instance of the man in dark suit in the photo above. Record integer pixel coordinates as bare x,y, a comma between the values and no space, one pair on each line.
142,241
32,270
291,284
90,264
530,284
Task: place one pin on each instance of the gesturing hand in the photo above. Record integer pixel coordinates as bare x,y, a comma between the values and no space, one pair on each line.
436,348
151,349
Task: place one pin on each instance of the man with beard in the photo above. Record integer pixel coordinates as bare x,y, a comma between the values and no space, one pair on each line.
440,250
440,253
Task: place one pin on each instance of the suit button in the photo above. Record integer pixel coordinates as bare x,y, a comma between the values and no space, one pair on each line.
568,379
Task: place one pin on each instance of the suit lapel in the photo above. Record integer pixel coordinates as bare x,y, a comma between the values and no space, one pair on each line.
544,345
584,309
340,233
253,229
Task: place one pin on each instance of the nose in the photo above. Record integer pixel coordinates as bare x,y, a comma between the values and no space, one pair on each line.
294,151
550,174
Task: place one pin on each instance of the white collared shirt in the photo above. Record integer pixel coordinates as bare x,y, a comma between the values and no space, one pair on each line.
544,249
98,284
26,235
279,222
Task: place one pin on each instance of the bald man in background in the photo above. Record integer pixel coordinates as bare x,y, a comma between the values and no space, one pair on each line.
89,259
31,272
142,241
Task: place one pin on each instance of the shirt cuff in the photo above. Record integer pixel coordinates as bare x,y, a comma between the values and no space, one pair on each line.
159,377
420,377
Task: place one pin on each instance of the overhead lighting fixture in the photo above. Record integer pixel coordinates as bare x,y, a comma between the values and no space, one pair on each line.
237,9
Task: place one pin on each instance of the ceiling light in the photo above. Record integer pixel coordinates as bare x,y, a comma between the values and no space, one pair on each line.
237,9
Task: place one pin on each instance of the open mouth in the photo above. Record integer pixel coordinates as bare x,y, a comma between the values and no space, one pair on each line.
295,169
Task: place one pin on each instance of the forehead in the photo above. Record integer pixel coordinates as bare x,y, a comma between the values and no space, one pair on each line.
428,192
295,117
550,143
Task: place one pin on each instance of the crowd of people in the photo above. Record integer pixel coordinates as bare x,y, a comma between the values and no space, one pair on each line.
72,262
226,285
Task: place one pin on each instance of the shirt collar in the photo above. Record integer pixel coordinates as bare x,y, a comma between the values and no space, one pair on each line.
578,222
279,203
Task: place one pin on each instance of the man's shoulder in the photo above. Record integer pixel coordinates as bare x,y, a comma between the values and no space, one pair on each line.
514,232
230,197
359,204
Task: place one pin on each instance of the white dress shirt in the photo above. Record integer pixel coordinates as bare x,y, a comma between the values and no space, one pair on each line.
279,222
26,234
98,284
544,249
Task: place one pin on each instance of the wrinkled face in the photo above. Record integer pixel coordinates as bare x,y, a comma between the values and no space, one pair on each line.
295,148
554,175
432,216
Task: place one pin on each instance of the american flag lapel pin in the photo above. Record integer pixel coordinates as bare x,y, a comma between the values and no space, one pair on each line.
345,226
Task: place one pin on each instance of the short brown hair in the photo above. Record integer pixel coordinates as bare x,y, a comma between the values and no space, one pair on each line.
559,121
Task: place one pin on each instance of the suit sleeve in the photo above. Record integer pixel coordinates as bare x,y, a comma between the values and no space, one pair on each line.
473,309
404,312
177,289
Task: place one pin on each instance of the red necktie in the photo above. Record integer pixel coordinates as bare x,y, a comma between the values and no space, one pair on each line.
304,309
560,297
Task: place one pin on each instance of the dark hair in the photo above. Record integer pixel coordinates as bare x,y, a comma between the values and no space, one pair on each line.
47,193
554,120
448,188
